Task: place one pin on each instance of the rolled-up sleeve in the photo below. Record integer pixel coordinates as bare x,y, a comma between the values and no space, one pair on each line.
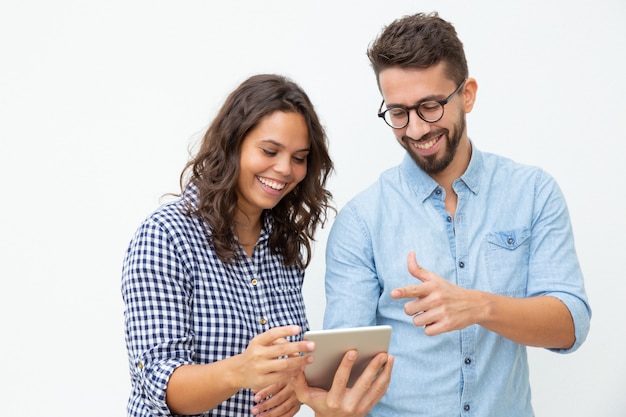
554,269
157,313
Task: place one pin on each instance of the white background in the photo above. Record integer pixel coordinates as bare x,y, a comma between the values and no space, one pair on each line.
101,100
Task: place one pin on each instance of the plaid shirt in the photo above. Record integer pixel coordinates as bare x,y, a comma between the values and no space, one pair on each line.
183,305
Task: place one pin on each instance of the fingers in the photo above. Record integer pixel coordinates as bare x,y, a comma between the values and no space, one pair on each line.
380,384
368,389
278,346
372,371
276,400
283,366
342,375
414,291
416,270
270,358
302,389
338,397
270,336
373,383
260,395
341,401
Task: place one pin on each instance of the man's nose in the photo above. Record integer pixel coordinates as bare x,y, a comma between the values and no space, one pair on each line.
417,127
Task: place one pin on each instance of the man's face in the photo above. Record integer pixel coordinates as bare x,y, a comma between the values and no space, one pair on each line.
432,146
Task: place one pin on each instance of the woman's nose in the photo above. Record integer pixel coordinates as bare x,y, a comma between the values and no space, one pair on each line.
283,166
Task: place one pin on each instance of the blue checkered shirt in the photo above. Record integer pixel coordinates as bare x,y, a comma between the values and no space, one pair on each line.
183,305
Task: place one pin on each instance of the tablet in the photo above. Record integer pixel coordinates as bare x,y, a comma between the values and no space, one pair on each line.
332,344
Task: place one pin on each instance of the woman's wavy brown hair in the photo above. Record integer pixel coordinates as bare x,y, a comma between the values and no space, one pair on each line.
215,169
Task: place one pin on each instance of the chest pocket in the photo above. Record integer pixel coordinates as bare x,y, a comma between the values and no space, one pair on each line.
506,258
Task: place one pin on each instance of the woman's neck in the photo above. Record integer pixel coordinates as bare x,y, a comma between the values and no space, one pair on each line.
247,230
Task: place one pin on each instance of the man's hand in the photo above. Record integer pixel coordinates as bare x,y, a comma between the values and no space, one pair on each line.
341,401
438,305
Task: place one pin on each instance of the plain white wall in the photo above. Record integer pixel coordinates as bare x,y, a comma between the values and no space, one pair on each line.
100,101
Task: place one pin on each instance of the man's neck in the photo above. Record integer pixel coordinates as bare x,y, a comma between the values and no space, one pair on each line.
453,172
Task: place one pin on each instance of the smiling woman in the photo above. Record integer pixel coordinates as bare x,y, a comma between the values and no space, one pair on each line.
208,264
212,282
273,161
256,111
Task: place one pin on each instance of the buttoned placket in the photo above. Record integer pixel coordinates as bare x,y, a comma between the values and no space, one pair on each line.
258,288
464,280
459,250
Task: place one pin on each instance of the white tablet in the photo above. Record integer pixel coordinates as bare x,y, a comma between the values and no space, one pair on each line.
332,344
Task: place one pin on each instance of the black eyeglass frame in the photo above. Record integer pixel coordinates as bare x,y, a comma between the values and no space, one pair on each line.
416,107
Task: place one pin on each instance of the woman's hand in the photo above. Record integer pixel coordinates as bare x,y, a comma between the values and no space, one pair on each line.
269,359
341,401
278,400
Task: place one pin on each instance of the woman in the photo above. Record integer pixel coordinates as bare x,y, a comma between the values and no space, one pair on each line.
212,281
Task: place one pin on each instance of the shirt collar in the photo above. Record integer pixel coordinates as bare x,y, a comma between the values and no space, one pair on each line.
471,176
191,195
423,185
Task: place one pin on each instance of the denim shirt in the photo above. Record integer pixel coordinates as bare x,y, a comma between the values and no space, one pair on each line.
511,235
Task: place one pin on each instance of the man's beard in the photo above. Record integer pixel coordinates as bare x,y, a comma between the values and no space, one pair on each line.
430,164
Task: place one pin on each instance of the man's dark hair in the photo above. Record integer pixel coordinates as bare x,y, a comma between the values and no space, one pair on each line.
419,41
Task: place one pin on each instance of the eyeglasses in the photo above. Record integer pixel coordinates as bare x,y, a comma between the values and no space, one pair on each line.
430,111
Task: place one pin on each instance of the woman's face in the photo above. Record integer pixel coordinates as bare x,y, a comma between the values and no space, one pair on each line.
273,161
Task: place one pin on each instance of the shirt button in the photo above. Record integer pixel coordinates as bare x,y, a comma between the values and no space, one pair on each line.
466,407
511,241
438,191
461,264
254,282
449,219
263,321
140,365
468,361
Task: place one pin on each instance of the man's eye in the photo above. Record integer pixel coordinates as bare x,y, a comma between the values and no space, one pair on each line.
430,106
397,112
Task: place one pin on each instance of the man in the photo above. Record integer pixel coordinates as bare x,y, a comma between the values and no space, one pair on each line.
468,255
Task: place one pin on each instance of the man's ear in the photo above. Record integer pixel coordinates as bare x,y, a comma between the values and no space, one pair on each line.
469,94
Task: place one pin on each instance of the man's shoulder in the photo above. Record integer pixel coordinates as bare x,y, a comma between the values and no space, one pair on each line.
498,163
503,173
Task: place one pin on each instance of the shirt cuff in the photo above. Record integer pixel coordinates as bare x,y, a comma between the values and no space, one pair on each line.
581,315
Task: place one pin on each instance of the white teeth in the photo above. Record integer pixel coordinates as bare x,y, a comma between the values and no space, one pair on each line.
426,145
272,184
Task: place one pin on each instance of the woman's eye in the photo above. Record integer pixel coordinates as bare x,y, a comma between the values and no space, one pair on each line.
299,159
268,152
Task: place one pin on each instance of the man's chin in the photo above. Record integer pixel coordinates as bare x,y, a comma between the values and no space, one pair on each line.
430,164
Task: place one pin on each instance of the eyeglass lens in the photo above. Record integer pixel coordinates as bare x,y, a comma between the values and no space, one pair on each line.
428,110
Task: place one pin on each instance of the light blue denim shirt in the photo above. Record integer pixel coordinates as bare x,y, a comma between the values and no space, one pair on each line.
511,235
